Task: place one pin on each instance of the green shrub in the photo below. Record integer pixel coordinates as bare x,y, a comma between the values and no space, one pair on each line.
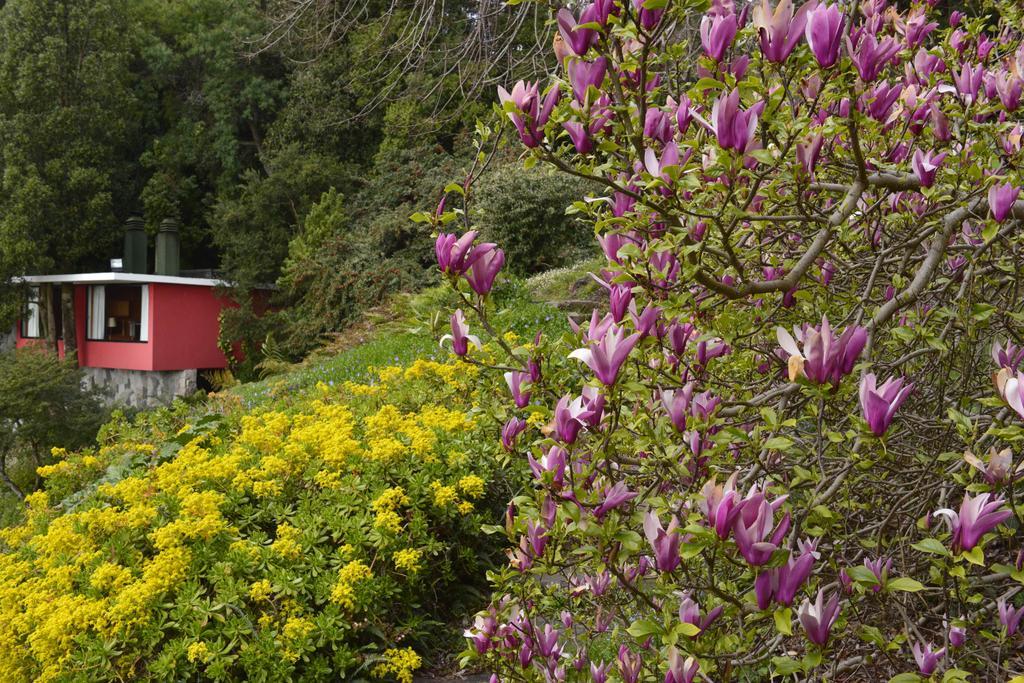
524,211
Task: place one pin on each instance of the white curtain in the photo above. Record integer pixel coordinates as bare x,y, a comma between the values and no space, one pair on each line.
97,311
32,314
144,318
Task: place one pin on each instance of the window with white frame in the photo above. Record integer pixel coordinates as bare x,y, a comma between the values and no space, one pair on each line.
118,313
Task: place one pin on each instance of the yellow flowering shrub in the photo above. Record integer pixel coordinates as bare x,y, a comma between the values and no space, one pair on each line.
318,536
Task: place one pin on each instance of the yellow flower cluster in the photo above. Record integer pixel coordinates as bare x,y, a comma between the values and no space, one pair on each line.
287,542
400,663
113,564
344,593
407,560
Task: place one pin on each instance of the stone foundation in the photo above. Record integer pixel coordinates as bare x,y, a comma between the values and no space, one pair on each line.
142,388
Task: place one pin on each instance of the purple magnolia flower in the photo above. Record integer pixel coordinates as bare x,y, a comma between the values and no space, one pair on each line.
808,152
689,613
460,337
1009,87
537,536
879,404
817,619
721,505
976,518
780,29
870,56
1008,357
619,298
658,125
584,74
552,462
1011,389
664,542
927,659
704,404
880,568
995,467
677,404
710,349
753,532
580,136
599,671
733,127
613,498
510,432
630,664
570,418
957,636
784,582
528,116
519,384
648,18
880,100
1001,199
605,358
452,250
680,670
716,34
486,261
824,357
1009,616
925,165
968,81
823,30
578,39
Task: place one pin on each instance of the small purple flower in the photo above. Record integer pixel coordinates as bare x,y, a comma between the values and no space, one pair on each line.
570,418
485,262
578,39
870,56
619,298
957,636
630,665
452,250
780,30
613,497
880,568
1001,199
879,403
519,384
1008,357
583,75
926,658
552,462
605,358
510,432
976,518
734,128
677,404
995,467
460,337
925,165
648,18
721,505
818,618
823,358
664,541
824,28
755,538
680,670
1009,616
716,34
689,613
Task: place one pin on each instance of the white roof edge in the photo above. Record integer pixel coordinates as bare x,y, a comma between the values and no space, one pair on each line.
113,278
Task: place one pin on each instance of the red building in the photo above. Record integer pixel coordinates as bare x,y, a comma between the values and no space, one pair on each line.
145,337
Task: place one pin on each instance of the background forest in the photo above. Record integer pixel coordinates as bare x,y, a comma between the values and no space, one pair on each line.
292,139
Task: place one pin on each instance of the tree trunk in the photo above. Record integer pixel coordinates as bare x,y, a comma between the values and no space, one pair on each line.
67,305
48,315
6,478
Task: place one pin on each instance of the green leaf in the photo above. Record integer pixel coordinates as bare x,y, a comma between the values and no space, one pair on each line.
685,628
778,443
786,666
905,678
643,628
930,545
904,584
975,556
784,621
708,84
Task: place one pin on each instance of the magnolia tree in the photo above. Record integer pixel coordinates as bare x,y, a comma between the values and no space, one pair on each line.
789,446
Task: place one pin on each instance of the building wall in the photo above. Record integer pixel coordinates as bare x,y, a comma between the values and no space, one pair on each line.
141,388
184,327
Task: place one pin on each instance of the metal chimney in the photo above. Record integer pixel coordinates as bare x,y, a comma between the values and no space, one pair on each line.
168,248
135,246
